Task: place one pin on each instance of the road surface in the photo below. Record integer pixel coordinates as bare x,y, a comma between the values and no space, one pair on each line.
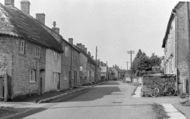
111,100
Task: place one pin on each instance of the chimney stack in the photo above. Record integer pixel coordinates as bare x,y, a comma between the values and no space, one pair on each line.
55,29
71,41
85,50
89,54
25,6
79,45
41,17
9,3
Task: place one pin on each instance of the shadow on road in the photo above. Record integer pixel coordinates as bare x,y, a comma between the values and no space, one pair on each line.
91,94
111,83
22,112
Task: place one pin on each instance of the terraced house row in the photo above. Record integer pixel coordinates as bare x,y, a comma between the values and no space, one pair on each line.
37,59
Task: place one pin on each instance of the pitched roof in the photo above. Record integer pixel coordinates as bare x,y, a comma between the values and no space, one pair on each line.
170,22
15,23
59,38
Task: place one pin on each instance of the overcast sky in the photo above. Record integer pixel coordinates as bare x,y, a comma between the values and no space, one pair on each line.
115,26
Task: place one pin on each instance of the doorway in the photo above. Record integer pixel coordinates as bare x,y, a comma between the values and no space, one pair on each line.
41,81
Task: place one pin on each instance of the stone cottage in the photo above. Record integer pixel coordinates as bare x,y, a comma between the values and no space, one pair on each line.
176,44
70,65
83,63
69,76
25,45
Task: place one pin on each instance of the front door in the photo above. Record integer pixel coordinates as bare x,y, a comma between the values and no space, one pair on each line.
42,79
70,79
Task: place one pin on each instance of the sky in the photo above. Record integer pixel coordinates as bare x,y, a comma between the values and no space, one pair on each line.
115,26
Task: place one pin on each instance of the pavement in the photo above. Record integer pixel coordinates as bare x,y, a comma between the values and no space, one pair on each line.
111,100
138,92
173,109
172,112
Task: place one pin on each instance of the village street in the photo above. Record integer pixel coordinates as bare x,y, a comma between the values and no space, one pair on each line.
109,100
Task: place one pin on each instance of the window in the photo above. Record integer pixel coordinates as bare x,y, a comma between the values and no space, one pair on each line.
55,56
66,51
56,79
33,76
22,47
37,51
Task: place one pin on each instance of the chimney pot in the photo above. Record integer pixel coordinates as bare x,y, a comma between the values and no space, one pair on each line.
25,6
41,17
71,41
9,3
54,28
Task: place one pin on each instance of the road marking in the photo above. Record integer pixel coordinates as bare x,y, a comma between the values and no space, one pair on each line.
172,112
138,92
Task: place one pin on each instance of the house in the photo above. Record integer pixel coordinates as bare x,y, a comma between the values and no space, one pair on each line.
83,63
70,65
113,73
91,65
176,44
25,49
87,66
104,71
53,58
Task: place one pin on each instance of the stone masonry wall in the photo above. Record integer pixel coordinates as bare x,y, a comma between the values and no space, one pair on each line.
182,46
22,66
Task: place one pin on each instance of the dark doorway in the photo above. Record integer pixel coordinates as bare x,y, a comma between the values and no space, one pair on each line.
41,81
187,86
70,79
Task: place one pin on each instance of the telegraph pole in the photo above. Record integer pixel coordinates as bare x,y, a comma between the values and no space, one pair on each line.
131,52
96,65
127,65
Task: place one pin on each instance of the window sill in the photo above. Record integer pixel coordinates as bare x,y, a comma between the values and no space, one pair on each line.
32,82
21,54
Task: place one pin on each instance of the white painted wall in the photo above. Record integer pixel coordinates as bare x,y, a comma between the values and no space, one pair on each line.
53,65
170,55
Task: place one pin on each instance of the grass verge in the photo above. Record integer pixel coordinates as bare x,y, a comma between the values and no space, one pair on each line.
160,112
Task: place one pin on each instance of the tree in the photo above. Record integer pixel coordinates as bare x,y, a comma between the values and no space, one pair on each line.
142,62
155,60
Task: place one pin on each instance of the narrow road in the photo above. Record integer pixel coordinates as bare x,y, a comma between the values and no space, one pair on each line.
111,100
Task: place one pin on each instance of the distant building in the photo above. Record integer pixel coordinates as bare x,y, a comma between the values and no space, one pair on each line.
113,73
87,66
104,71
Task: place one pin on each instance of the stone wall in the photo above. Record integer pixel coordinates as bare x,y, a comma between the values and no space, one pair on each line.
19,65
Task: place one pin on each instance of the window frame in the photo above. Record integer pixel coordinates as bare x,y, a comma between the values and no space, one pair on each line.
22,47
37,52
33,76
